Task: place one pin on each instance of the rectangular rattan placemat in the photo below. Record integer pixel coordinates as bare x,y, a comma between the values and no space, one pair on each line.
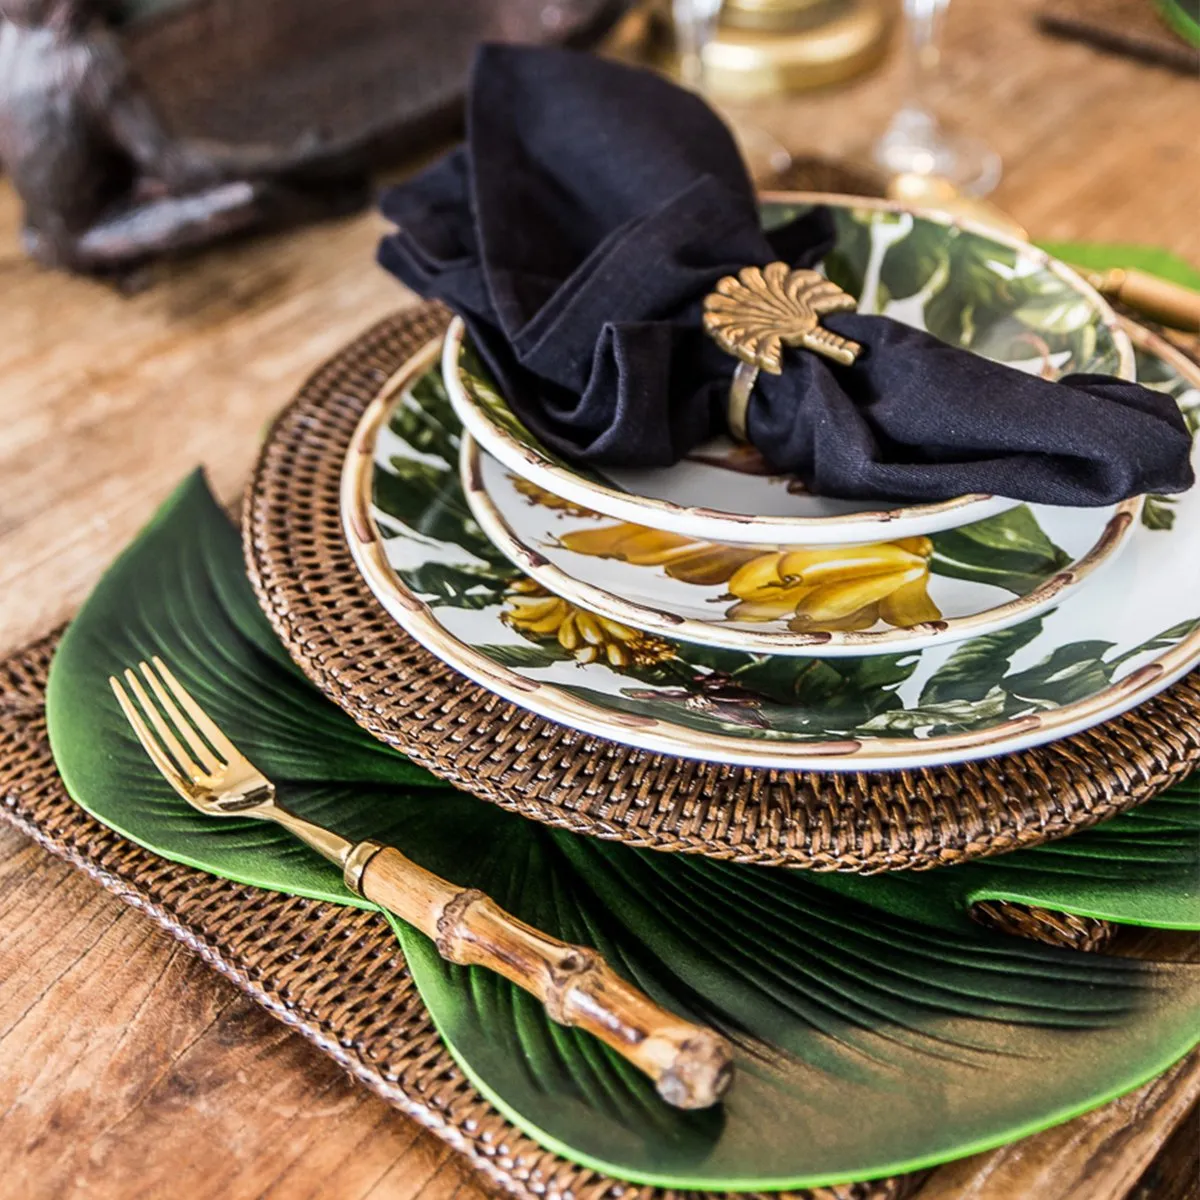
334,974
337,976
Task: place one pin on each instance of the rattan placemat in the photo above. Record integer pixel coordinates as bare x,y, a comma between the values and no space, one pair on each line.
355,652
334,974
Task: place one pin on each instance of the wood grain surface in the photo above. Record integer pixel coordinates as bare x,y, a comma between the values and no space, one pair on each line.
127,1068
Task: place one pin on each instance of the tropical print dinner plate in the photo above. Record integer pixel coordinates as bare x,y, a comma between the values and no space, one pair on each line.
973,288
1126,635
868,598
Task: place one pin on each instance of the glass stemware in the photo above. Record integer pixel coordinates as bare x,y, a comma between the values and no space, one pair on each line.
916,142
695,26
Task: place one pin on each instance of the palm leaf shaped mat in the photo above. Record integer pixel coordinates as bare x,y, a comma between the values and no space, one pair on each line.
878,1030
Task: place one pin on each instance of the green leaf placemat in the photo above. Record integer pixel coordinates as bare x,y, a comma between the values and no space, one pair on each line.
181,591
877,1029
1102,256
1183,17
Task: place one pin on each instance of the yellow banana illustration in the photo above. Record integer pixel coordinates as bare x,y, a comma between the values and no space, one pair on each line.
813,588
540,616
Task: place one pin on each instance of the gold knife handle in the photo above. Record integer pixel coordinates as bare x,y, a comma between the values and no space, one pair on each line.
690,1065
1170,303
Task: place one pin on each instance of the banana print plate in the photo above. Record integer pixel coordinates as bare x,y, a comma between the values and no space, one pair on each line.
1003,299
870,598
1113,644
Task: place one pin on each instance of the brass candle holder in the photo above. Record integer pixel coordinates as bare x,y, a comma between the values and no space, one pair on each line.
767,47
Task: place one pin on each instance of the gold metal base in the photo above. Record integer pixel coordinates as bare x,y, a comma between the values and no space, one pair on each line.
835,42
778,15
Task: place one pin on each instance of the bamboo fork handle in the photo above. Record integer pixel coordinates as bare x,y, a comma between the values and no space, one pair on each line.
690,1065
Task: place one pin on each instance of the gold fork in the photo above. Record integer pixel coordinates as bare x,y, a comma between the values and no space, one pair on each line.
690,1065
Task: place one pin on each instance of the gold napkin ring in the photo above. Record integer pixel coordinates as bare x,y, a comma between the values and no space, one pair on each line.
739,400
755,313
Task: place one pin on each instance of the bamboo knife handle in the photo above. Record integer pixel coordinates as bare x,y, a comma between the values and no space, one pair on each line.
1170,303
690,1065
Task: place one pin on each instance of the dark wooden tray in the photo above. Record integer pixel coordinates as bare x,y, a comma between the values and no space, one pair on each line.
377,79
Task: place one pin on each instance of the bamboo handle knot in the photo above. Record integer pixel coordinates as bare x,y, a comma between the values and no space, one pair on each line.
700,1072
452,926
691,1066
578,969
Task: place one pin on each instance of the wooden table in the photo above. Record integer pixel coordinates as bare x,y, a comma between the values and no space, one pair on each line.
127,1068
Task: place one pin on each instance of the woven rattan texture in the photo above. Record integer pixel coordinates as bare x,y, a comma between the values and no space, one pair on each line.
871,821
1042,925
334,974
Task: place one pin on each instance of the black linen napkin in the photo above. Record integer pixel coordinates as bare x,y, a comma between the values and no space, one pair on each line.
578,230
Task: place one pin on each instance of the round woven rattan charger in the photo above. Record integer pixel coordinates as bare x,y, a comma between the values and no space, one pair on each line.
347,644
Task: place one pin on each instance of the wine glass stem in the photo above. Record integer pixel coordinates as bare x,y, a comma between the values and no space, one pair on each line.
915,142
695,25
925,19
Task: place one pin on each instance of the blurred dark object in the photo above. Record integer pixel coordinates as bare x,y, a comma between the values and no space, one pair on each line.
815,173
172,123
1130,27
376,80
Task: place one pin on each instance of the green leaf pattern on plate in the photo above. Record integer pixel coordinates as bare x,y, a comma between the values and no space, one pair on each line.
755,695
1009,550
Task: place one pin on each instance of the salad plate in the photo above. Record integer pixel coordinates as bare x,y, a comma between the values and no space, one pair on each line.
1126,636
973,288
867,598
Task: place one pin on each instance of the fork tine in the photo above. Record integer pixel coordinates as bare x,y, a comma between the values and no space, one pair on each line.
207,726
165,736
186,729
150,743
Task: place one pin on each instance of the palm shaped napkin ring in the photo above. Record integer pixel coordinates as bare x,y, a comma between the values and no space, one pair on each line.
755,313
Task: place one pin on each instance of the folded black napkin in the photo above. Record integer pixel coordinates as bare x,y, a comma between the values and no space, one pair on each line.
578,231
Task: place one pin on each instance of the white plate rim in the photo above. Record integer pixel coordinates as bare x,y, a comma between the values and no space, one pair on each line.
739,529
842,643
365,542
